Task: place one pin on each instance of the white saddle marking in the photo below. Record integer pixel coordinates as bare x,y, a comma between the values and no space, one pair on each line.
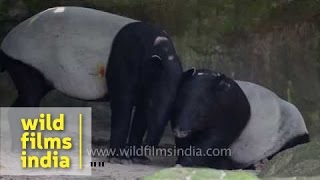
272,123
69,45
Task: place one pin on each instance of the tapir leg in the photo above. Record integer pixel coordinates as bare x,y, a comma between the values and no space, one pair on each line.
30,84
206,142
122,77
121,109
31,87
137,132
138,127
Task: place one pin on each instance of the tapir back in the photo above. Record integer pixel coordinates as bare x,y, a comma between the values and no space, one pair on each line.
69,45
272,124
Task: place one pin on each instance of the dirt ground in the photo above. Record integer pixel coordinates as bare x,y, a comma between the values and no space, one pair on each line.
101,131
112,171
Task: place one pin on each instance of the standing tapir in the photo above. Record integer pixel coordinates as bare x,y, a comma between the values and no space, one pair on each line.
89,54
214,111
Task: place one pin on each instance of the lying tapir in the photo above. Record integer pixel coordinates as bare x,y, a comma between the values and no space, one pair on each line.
89,55
214,111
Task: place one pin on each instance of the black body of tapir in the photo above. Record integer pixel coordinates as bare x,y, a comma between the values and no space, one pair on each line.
244,121
90,54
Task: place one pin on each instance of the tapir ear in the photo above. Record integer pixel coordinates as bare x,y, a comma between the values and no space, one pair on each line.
189,73
220,83
220,76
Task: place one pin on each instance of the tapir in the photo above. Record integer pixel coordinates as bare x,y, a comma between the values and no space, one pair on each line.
215,112
93,55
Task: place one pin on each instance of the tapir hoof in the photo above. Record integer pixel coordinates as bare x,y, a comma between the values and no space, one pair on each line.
114,160
141,160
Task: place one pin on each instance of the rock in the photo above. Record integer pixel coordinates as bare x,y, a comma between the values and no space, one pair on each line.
18,11
212,174
293,178
201,173
302,160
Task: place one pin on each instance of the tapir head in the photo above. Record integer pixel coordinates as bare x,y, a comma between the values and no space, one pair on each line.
195,100
162,76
